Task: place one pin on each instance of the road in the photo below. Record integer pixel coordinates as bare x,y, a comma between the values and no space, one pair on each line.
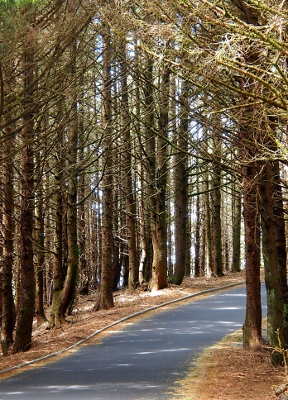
139,362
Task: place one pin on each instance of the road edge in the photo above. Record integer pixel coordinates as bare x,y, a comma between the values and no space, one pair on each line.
128,317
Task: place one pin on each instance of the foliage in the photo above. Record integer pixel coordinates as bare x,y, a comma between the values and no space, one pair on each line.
130,98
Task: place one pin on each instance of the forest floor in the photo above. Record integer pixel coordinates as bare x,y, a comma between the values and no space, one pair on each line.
224,371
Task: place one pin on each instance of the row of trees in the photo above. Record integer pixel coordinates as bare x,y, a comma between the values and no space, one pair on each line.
131,134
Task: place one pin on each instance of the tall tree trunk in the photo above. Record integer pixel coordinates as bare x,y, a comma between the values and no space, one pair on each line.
145,259
128,182
106,285
26,305
72,237
82,214
274,252
203,247
181,190
8,232
82,223
59,270
217,254
236,229
252,335
8,313
271,206
65,268
249,136
158,199
197,264
150,149
145,246
40,243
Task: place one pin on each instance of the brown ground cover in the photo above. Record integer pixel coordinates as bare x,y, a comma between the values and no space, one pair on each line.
225,372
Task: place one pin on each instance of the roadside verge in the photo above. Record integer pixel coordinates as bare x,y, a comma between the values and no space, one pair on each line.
119,321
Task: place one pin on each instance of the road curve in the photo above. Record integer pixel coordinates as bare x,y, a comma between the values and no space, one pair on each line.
139,362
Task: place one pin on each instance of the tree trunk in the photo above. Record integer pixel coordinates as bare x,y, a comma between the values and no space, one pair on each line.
217,256
181,190
72,220
158,199
82,217
59,270
8,232
250,134
274,252
236,229
106,285
128,182
145,259
82,222
26,305
40,253
198,265
150,148
208,224
252,335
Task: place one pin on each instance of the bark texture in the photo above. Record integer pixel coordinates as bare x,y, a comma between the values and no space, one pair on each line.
106,288
26,300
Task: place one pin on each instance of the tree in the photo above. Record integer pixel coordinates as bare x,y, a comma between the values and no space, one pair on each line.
142,129
158,196
40,246
181,187
198,267
8,232
236,228
128,180
106,287
217,255
274,249
82,215
68,292
246,65
195,97
59,269
26,305
252,334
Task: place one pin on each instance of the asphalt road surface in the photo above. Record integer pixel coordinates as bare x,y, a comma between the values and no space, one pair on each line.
140,362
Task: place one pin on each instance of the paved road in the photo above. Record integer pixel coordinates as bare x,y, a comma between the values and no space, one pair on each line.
140,362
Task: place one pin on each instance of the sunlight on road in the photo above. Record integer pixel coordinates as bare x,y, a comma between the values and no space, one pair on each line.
14,393
163,351
226,308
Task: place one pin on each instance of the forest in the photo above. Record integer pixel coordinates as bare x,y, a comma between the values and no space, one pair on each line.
141,142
